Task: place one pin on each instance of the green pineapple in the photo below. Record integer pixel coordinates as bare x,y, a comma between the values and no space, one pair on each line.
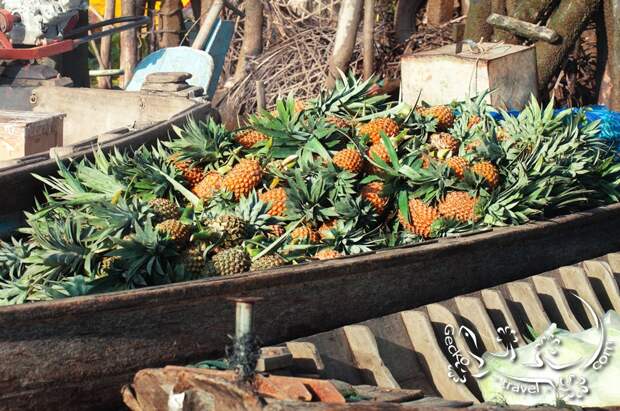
176,231
194,260
231,261
268,262
230,228
164,209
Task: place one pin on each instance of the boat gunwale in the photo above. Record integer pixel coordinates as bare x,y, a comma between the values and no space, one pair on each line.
312,272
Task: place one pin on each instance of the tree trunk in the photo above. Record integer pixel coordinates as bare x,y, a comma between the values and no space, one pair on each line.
369,38
200,8
611,79
568,20
439,12
530,11
346,34
129,44
252,37
477,27
106,43
171,21
405,18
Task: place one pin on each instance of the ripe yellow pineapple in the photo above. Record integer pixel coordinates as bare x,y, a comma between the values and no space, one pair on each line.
248,138
444,141
443,115
380,151
349,159
243,177
422,217
338,122
327,254
277,198
488,171
459,206
326,227
458,165
276,231
305,234
473,120
208,186
192,174
374,128
371,192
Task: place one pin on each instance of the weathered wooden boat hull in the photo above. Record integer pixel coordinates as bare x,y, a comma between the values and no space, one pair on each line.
80,351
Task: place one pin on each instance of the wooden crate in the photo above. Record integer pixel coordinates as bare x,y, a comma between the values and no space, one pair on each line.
25,132
441,76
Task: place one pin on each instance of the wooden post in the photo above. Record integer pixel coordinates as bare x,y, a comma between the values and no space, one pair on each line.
346,34
171,22
530,11
610,89
523,29
439,11
477,27
405,18
106,46
261,100
129,43
568,20
252,37
210,17
369,38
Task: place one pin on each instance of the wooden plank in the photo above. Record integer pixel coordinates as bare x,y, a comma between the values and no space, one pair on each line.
499,312
425,343
120,333
575,280
549,287
474,311
23,133
523,294
367,358
439,12
306,358
614,262
603,283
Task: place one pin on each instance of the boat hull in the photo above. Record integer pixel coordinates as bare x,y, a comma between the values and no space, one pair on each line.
77,353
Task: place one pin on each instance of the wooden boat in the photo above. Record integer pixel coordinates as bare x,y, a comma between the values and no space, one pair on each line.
92,118
81,351
407,350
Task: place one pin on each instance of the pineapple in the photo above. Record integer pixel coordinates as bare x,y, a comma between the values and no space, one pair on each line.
458,165
426,161
178,232
377,151
326,227
305,234
349,159
327,254
191,173
473,120
108,264
374,128
243,178
164,209
268,262
371,192
211,183
488,171
443,115
277,198
501,134
459,206
445,141
422,217
249,138
231,229
231,261
276,231
338,122
194,261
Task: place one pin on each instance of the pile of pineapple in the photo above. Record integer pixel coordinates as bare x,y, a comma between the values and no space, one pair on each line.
345,173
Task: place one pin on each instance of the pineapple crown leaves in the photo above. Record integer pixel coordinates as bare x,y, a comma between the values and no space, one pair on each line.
255,214
146,173
12,256
350,238
117,219
308,195
69,287
63,248
202,143
350,97
149,256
